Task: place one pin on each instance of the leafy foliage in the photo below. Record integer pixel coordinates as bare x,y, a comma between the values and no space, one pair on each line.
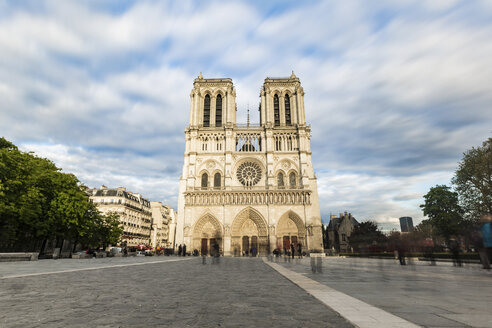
37,201
366,235
442,208
473,180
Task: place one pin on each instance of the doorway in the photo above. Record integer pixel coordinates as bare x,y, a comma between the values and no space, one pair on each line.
204,246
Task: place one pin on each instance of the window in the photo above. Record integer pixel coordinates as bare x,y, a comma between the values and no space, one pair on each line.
276,110
292,180
287,110
206,111
204,180
217,180
280,180
344,237
218,111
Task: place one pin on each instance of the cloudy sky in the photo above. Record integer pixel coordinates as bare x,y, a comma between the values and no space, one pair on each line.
395,91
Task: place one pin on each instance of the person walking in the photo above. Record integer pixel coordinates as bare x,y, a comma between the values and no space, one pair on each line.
455,248
486,230
299,250
292,250
180,249
184,249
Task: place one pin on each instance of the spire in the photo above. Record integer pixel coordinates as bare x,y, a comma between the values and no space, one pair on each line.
248,116
200,76
292,76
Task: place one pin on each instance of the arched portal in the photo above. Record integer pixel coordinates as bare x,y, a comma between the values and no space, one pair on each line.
290,229
249,233
207,232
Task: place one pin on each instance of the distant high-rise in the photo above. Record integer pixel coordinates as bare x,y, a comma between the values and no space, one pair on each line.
406,224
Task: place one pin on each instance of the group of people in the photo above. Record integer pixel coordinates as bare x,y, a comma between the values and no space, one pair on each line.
289,252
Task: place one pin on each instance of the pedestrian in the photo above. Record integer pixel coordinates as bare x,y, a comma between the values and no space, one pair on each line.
400,248
454,246
184,249
292,249
180,249
299,250
486,230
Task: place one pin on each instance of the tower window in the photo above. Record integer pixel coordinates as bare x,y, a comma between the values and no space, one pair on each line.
204,180
276,110
280,180
206,111
287,110
292,180
218,111
217,180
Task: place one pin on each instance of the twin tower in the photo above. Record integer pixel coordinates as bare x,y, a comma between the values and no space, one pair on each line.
248,189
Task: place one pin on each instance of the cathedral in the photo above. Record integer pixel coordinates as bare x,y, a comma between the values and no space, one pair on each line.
248,187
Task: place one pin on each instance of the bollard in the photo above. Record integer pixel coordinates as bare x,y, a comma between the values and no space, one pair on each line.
319,264
313,265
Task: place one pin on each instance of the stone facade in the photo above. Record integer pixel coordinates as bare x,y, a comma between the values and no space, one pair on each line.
246,186
339,230
134,210
163,224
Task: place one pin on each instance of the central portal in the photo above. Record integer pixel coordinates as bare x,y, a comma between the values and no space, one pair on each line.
249,234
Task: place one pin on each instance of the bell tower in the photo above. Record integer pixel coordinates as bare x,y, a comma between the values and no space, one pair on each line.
213,103
282,102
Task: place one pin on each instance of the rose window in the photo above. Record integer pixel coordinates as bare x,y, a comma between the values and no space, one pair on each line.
249,173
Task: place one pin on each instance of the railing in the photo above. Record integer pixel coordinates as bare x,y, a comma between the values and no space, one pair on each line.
248,197
244,188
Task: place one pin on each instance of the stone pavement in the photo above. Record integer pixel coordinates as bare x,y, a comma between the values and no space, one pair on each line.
155,292
429,296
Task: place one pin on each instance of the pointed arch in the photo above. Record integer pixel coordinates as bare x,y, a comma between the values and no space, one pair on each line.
276,110
206,111
288,120
218,110
290,224
202,221
255,216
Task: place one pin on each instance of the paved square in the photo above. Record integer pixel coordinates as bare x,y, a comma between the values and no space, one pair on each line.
155,292
429,296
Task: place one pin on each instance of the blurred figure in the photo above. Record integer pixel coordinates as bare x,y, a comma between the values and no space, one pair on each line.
292,250
184,249
299,250
216,254
486,230
316,264
455,248
400,248
429,250
180,250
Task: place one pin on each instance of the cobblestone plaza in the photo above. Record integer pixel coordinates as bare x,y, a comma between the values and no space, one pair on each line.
184,292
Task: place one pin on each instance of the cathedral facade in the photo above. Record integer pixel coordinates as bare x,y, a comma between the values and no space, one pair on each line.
248,187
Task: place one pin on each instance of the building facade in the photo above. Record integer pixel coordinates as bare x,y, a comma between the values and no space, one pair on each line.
339,230
162,224
406,224
134,210
246,186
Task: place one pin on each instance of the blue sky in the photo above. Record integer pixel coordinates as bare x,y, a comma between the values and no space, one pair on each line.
396,91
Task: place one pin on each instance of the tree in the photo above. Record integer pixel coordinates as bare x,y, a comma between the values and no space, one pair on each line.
366,235
473,180
38,202
442,208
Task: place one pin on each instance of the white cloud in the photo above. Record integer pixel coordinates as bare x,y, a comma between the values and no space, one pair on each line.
395,91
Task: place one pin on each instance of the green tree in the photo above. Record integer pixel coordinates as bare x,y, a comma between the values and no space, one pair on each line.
442,208
473,180
365,235
38,202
